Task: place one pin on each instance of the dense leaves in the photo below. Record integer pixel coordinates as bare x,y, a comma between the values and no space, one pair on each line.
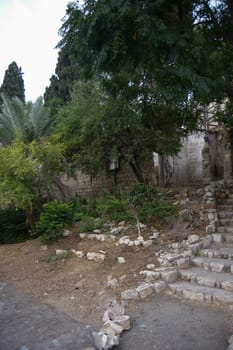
13,84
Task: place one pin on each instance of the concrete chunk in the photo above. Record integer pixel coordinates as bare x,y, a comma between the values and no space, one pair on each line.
129,294
111,328
145,290
105,341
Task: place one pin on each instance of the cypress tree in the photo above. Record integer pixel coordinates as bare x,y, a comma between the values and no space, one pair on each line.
13,83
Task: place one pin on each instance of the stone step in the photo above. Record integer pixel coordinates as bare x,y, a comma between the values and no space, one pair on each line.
225,214
208,278
220,251
224,207
212,264
199,293
225,229
225,201
225,222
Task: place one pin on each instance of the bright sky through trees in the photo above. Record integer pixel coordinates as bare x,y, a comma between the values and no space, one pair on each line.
28,36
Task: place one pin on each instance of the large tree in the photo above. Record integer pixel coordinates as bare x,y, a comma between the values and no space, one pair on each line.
13,83
98,129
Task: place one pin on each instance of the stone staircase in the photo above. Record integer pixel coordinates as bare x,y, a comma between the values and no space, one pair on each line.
210,275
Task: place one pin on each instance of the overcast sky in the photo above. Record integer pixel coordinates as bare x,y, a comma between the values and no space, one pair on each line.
28,36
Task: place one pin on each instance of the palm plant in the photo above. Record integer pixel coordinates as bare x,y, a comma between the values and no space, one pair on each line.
29,121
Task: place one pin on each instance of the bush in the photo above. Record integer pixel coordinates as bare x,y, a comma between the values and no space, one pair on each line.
114,207
13,227
54,217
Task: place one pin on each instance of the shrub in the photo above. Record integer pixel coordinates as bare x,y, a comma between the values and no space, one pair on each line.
89,223
113,206
13,227
54,217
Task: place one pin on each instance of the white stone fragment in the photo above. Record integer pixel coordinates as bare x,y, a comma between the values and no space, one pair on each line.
150,275
145,290
169,276
114,311
95,256
159,286
79,253
123,321
150,266
97,231
61,252
112,283
129,294
183,263
217,237
121,260
230,340
66,233
148,243
115,230
83,235
111,328
104,341
124,240
193,239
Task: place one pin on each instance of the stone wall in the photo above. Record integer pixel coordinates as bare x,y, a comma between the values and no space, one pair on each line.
88,186
186,167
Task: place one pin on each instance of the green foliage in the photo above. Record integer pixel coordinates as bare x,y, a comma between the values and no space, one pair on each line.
54,217
90,223
141,202
28,121
114,207
115,126
29,173
13,84
13,228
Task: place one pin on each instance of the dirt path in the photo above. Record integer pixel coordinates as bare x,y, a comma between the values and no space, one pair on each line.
160,323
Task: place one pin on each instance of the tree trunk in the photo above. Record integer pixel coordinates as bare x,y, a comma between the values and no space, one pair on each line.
135,166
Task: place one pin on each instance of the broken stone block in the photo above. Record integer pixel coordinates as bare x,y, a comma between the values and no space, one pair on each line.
129,294
95,256
79,253
183,263
121,260
150,275
193,239
97,231
123,321
145,290
124,240
61,252
66,233
82,235
217,237
228,285
216,267
112,282
111,328
114,311
159,286
148,243
150,266
104,341
230,340
192,295
43,247
169,276
115,230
